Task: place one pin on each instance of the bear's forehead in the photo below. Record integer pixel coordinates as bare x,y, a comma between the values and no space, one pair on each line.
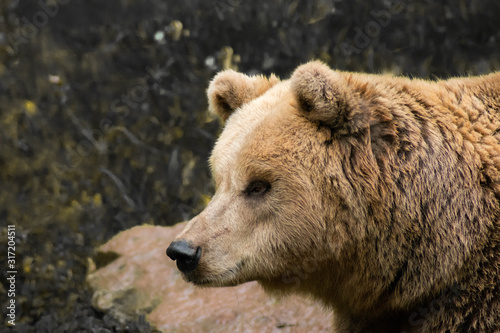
254,125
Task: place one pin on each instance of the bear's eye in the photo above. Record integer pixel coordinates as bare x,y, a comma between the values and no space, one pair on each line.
258,188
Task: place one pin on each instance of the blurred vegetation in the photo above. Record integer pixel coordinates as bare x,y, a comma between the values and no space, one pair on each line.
103,122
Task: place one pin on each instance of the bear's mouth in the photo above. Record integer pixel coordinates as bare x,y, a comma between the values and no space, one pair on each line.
228,278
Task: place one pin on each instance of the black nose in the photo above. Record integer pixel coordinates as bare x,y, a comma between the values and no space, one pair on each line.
186,255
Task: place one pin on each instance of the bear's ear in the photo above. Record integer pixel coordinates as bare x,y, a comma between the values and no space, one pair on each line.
229,90
325,96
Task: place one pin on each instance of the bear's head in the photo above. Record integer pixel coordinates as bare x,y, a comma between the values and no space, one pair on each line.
280,183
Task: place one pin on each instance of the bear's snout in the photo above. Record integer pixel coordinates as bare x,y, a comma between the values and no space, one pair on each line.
185,254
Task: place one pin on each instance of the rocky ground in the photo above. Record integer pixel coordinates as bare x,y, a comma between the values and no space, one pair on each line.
103,124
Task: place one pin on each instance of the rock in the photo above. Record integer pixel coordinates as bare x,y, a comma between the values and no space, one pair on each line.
135,278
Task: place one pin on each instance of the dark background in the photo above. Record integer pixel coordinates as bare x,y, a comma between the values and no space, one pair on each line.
103,122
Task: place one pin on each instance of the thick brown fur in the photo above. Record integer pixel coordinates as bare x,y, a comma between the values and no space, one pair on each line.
381,197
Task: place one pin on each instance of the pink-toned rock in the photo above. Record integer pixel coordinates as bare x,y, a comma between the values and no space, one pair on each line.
142,280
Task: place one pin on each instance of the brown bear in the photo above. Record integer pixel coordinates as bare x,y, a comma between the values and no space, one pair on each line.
377,195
